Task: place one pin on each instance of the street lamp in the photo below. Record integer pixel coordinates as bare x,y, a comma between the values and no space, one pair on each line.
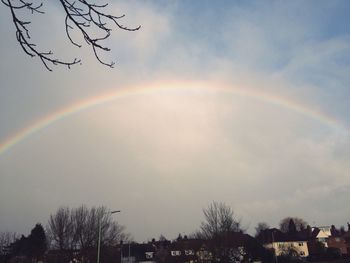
99,232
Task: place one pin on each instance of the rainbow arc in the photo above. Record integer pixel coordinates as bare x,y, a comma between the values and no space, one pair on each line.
108,97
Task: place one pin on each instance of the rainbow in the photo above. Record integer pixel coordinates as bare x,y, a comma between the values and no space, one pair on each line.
108,97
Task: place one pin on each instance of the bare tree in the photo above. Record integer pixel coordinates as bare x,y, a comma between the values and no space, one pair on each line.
78,229
162,238
299,224
111,232
218,227
260,227
81,15
80,221
60,229
219,219
86,229
6,239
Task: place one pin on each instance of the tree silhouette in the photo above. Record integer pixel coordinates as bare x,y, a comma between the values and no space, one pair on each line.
299,223
260,227
6,239
80,15
37,243
19,247
219,219
71,228
33,246
219,225
291,227
60,229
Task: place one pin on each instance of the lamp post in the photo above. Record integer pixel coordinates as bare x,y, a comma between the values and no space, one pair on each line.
99,232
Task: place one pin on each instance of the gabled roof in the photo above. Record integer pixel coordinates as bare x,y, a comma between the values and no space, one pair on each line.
195,244
238,239
275,235
232,239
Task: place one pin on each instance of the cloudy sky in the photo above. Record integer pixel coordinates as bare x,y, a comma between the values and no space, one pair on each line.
244,102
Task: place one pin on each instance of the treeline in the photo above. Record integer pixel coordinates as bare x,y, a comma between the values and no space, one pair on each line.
69,232
32,247
70,229
74,233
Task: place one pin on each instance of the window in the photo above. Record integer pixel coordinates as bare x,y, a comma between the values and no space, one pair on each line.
189,252
301,244
149,254
302,253
175,253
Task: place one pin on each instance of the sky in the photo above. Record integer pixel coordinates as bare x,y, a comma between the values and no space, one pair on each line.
241,102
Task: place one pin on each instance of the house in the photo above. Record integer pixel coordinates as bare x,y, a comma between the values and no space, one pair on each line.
296,244
233,245
244,247
338,243
323,233
346,237
340,240
188,251
138,253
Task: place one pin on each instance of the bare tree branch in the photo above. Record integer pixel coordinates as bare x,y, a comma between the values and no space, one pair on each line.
219,219
80,15
77,228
